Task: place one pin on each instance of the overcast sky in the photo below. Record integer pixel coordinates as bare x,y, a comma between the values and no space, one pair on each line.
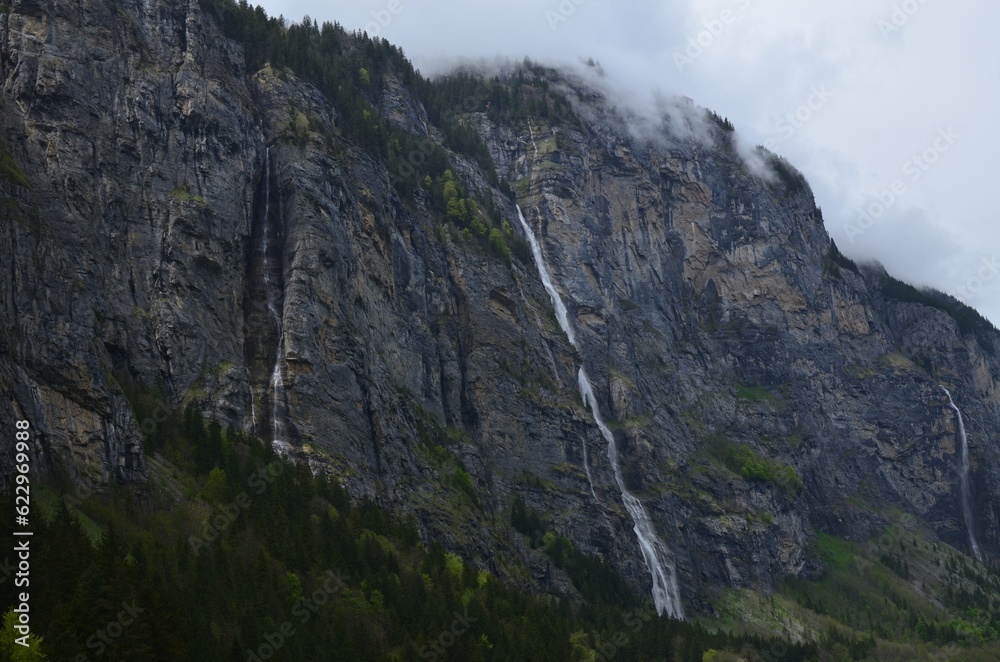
890,107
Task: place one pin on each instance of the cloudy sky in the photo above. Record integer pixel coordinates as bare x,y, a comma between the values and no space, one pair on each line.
890,107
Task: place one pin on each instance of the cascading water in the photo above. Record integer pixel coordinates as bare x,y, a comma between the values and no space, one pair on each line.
666,595
561,314
964,478
277,386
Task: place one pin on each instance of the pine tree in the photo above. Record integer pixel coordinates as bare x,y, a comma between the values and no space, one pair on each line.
11,649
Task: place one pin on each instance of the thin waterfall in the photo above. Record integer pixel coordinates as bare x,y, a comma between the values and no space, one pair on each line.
272,292
561,315
963,478
253,407
666,595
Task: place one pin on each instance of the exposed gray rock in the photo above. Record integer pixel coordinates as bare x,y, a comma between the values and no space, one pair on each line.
707,312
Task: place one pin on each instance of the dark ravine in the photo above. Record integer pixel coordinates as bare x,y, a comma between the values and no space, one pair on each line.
715,317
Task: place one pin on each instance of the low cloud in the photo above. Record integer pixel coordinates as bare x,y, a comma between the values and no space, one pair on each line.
757,61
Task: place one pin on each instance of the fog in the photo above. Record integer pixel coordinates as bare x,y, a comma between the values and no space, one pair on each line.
888,107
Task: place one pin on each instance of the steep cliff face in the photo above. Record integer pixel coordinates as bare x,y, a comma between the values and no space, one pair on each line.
719,317
187,224
131,122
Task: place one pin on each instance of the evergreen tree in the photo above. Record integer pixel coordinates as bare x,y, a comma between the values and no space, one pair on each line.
17,647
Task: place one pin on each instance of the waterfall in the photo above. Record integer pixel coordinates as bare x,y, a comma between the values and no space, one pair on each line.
561,315
666,594
272,292
964,478
253,407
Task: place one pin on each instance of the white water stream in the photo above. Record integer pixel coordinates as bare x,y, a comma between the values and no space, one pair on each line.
278,404
963,478
561,315
666,595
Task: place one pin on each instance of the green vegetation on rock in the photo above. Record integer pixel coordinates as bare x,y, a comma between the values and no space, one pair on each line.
260,544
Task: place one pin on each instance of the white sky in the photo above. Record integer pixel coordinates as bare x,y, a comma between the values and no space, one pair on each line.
887,79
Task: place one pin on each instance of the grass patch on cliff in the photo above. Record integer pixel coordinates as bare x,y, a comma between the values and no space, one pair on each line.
754,394
184,194
623,378
762,395
898,363
12,177
10,171
436,443
835,552
744,461
775,397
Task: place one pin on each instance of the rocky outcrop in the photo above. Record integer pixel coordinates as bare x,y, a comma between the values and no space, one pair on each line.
710,300
759,389
131,121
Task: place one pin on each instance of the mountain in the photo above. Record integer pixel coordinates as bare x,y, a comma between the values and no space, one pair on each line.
288,230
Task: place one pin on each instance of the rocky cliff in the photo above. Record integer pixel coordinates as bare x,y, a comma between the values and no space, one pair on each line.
175,219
